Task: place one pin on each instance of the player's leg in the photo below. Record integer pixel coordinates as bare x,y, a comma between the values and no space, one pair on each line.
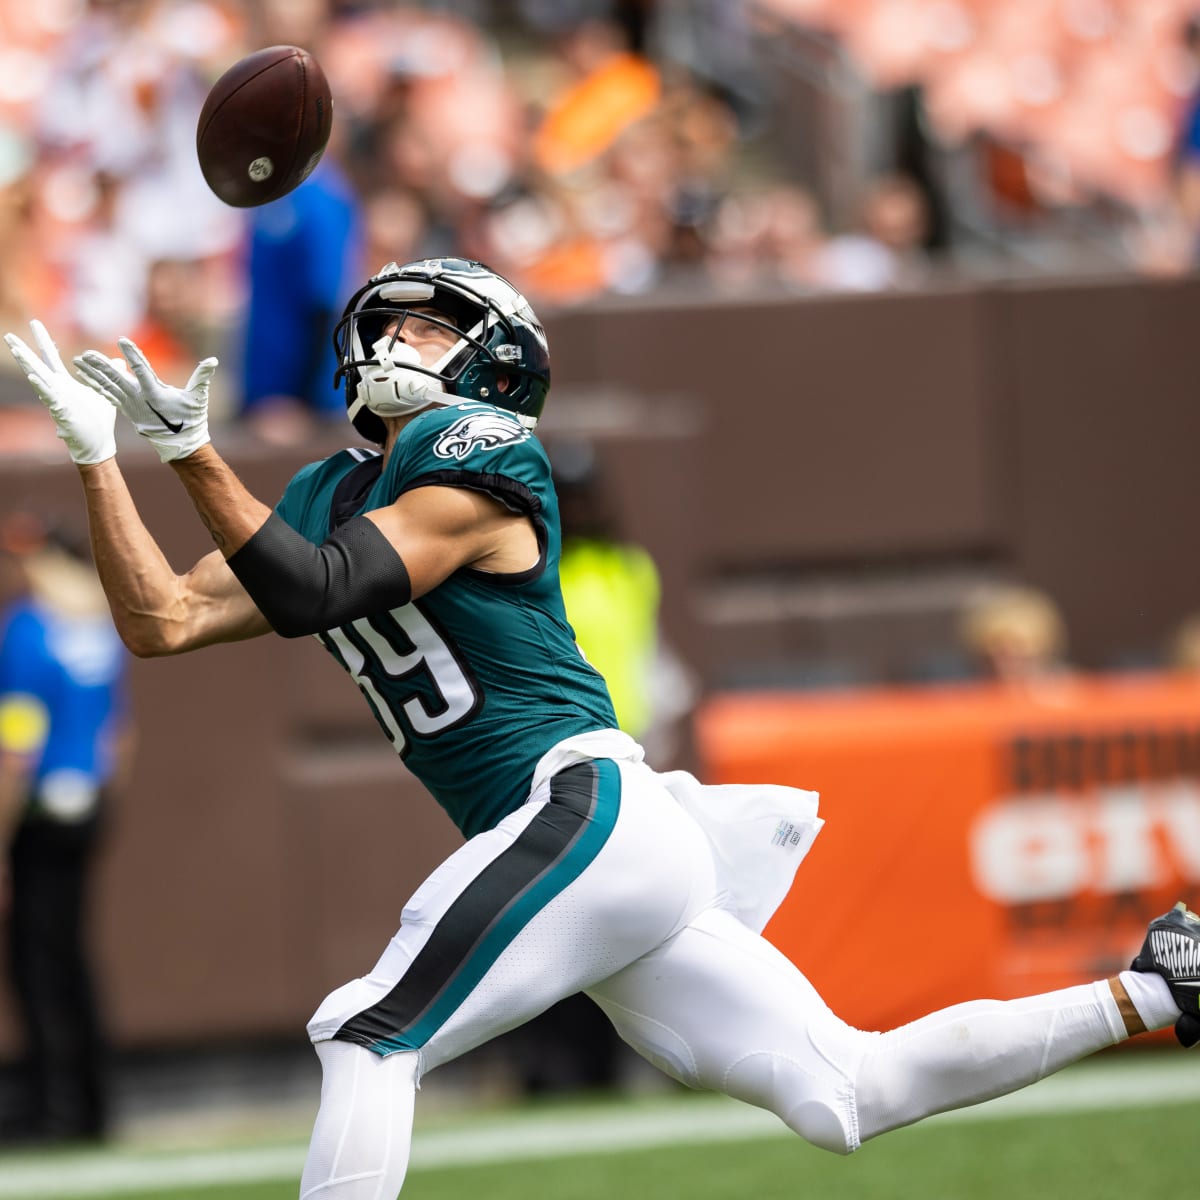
719,1008
360,1141
565,891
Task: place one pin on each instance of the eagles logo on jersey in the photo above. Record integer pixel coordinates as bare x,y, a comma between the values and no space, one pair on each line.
479,430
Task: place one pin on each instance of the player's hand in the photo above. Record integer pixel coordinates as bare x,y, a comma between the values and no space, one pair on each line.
84,420
173,420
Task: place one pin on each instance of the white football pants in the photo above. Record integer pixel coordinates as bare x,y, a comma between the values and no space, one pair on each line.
643,931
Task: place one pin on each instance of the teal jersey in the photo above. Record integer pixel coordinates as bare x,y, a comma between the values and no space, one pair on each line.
477,679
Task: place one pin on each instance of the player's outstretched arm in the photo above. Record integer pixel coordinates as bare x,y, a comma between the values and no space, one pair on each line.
155,611
301,588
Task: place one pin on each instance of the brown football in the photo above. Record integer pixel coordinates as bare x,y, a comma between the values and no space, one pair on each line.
264,126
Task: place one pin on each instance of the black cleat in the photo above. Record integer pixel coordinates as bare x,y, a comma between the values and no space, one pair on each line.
1172,950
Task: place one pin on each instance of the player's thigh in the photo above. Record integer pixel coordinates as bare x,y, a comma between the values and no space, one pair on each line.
550,901
652,876
718,1007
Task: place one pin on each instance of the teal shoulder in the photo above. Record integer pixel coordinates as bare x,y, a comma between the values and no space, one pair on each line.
305,502
472,445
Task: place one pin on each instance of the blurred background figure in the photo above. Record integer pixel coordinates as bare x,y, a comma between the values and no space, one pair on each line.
65,745
303,256
1183,648
887,250
611,592
1015,635
305,250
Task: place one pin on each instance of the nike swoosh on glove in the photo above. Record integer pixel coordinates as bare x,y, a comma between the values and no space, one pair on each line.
173,420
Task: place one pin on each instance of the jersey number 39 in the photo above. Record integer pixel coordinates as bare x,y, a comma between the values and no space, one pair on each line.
439,695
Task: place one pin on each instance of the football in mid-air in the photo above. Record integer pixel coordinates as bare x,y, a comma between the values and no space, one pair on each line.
264,126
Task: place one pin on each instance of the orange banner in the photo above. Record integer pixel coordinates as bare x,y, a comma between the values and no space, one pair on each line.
978,842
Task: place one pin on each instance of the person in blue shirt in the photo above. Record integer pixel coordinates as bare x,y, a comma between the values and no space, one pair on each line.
64,744
303,251
426,565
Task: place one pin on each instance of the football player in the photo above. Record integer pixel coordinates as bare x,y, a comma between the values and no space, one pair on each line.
427,567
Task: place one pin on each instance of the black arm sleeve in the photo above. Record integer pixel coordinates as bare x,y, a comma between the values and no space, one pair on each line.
301,588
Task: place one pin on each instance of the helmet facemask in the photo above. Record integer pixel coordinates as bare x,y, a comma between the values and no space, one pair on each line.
492,325
391,379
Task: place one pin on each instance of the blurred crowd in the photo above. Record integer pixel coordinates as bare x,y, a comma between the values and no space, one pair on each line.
584,148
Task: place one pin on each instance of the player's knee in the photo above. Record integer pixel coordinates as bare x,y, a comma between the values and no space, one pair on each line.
821,1125
819,1109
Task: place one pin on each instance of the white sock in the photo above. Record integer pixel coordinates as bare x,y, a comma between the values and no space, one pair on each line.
1151,997
361,1138
975,1051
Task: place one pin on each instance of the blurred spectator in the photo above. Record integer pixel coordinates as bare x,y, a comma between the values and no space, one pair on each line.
1183,649
426,105
64,747
1182,250
305,255
793,240
1016,635
887,251
611,594
395,227
120,182
174,330
606,89
598,147
25,281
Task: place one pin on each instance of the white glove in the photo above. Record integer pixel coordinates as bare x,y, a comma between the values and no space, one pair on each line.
85,421
173,420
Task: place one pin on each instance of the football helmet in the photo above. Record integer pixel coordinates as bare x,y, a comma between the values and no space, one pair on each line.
498,340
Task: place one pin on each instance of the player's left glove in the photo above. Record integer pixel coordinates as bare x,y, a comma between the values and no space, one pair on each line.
82,419
173,420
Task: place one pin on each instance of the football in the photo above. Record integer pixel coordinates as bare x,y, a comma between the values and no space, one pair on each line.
264,126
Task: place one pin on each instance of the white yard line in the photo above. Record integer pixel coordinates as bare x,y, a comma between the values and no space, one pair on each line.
1125,1083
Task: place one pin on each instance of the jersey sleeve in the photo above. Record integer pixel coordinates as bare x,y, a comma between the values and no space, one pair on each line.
473,446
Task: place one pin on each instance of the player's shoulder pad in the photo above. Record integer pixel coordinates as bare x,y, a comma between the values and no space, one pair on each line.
311,483
334,466
458,433
470,436
471,444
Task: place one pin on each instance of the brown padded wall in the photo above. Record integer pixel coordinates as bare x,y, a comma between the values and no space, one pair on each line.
834,427
270,837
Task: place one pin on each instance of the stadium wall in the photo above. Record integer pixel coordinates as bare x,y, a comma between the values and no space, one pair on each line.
798,466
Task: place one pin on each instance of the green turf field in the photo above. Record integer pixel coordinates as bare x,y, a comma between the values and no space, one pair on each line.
1149,1152
1141,1152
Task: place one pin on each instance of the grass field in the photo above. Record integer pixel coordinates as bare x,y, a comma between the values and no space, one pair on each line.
1073,1142
1117,1155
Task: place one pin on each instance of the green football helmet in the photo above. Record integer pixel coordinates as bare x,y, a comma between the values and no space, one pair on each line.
500,354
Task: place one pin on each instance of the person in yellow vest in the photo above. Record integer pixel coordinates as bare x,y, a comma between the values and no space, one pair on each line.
611,591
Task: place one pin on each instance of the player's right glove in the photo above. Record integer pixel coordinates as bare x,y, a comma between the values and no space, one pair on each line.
84,420
173,420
